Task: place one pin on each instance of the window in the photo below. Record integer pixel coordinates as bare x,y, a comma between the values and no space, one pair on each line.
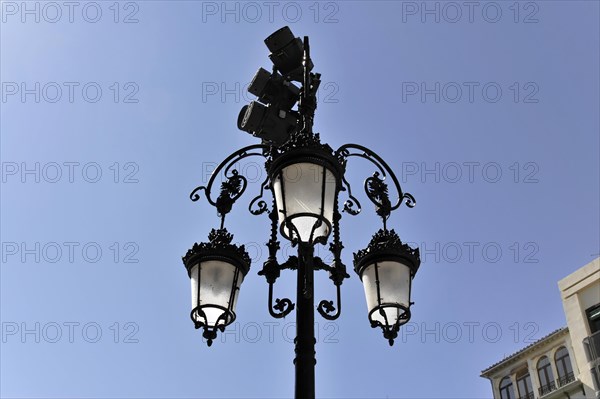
596,376
506,389
524,384
546,377
593,316
563,365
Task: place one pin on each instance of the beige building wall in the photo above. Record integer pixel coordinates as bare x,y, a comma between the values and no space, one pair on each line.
580,291
528,358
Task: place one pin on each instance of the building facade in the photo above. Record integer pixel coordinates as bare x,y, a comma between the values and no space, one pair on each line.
566,362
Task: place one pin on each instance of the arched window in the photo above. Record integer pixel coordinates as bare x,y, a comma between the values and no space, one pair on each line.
524,386
563,366
544,369
506,389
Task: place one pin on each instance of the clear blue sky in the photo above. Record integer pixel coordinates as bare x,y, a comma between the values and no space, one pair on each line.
488,112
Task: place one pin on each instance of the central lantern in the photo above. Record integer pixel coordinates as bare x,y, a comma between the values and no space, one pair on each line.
306,179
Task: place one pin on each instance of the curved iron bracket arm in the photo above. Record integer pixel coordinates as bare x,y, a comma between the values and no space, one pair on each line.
375,187
282,306
337,275
271,270
235,185
326,307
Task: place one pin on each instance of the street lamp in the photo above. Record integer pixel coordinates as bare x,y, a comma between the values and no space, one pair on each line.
305,178
216,271
386,268
306,182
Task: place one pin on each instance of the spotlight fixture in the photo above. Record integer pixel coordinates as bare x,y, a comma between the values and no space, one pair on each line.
274,89
271,118
286,53
271,125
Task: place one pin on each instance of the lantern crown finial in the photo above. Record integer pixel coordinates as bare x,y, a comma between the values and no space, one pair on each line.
388,242
219,242
220,237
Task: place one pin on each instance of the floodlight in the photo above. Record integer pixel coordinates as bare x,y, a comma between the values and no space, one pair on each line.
272,125
287,52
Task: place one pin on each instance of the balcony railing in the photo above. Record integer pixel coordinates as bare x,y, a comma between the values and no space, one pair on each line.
565,379
546,389
592,346
528,396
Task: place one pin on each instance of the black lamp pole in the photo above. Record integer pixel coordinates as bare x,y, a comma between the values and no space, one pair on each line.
307,214
305,324
305,360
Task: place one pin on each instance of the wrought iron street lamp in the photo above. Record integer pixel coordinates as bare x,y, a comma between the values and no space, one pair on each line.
216,270
305,178
386,268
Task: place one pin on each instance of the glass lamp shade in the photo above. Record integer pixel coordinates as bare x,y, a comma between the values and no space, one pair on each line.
305,185
386,268
387,289
216,270
215,288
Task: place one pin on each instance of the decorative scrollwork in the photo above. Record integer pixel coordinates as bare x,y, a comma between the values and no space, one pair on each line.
326,308
261,205
235,185
351,205
231,190
374,184
410,200
272,269
377,191
194,196
337,271
282,306
285,306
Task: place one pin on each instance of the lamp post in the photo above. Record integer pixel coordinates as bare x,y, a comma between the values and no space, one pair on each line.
305,178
